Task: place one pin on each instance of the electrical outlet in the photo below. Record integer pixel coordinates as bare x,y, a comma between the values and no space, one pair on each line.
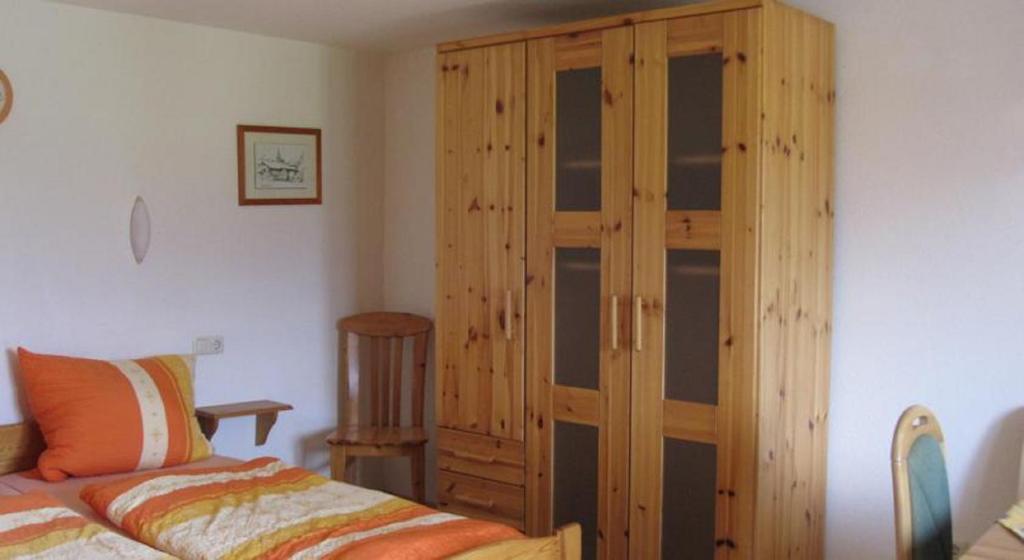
208,345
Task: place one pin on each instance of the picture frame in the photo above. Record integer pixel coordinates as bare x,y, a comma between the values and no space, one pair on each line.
279,165
6,96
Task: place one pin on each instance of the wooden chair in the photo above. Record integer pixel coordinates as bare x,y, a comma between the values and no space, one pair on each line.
924,528
380,339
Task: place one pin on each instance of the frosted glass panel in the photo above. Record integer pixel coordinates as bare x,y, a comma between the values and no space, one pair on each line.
695,132
576,481
578,134
688,502
691,326
577,317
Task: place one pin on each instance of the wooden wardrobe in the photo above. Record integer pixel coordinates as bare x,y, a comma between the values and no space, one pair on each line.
634,244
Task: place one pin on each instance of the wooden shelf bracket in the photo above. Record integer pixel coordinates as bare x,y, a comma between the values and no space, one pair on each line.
209,417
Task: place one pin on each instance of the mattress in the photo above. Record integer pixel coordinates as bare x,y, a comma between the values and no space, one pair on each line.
67,491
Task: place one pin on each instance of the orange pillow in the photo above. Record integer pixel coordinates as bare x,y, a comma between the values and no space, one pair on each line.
103,417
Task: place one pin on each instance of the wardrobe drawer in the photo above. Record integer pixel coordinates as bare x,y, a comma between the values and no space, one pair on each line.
481,499
501,460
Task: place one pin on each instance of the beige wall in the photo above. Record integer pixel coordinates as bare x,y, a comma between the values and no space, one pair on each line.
111,106
408,276
929,254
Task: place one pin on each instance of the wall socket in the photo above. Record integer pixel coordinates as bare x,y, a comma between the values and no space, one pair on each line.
208,345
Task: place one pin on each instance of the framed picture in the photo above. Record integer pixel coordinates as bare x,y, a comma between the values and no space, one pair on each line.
278,165
6,96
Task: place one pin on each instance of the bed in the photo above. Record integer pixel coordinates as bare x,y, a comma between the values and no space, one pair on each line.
20,445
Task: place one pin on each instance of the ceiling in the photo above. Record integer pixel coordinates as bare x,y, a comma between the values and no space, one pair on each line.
382,25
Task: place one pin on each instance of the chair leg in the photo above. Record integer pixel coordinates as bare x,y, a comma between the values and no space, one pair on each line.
419,470
339,463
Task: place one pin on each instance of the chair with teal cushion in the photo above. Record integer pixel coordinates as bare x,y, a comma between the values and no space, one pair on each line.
924,528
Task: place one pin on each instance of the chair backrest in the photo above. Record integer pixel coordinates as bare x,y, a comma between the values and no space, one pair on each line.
924,528
380,339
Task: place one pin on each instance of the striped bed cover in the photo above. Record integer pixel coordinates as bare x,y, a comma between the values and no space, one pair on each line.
266,509
37,526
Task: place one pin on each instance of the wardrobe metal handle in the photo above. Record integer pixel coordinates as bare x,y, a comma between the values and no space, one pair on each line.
474,457
615,322
475,502
638,324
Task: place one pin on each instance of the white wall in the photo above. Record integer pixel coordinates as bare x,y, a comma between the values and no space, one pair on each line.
929,287
408,276
111,106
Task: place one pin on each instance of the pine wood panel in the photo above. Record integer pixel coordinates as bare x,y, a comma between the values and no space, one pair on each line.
578,50
373,369
378,436
419,376
577,229
795,308
20,446
693,229
580,406
609,230
595,24
694,35
649,236
481,222
616,278
540,218
563,545
397,351
731,231
348,391
737,419
497,459
479,498
209,417
690,421
385,324
774,233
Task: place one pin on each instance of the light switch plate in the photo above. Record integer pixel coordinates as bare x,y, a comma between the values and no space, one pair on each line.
208,345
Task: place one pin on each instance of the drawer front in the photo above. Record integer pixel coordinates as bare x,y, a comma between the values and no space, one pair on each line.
501,460
481,499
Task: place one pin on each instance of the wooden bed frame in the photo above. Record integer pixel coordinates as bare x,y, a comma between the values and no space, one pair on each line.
21,444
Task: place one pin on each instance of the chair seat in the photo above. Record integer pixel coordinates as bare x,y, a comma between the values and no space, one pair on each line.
366,435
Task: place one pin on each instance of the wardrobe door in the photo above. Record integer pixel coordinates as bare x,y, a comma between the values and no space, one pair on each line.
480,219
579,138
692,280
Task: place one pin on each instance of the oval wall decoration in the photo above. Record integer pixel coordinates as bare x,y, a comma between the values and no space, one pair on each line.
139,230
6,96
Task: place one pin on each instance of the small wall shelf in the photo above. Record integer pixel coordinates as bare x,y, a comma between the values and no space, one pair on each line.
265,412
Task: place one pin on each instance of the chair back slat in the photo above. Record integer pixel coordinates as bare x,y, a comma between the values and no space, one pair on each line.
384,374
371,353
373,371
348,378
419,373
398,351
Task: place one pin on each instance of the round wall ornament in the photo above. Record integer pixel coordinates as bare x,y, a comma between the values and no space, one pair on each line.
6,96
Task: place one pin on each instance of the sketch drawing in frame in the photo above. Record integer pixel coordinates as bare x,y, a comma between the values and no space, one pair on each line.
278,165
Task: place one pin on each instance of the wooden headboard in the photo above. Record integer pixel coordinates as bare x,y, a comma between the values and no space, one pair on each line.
20,446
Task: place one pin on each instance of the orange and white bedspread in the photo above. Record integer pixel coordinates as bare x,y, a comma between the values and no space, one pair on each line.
38,526
267,509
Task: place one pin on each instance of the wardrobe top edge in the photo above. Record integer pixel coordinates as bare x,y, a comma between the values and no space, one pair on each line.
605,22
